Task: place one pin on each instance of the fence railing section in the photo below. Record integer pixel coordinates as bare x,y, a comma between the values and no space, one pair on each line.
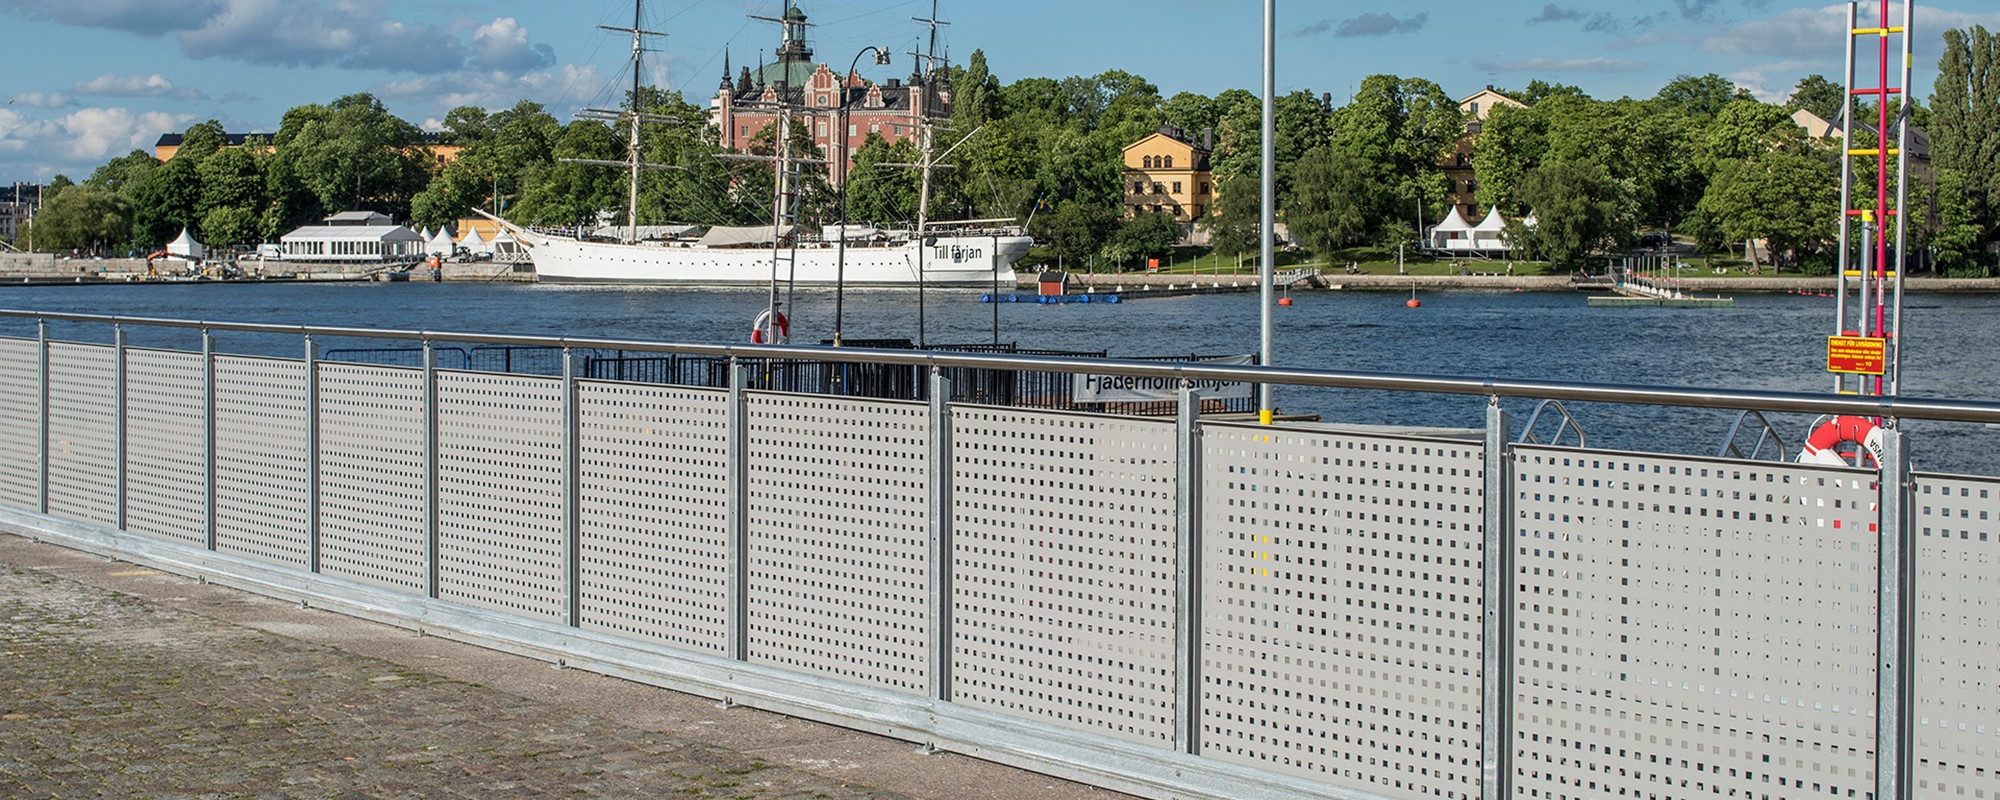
1166,606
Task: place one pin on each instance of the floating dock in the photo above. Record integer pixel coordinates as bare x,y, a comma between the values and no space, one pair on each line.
1626,301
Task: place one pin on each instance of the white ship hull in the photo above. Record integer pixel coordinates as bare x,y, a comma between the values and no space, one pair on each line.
973,260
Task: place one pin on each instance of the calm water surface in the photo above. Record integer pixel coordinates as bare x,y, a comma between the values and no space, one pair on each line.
1766,342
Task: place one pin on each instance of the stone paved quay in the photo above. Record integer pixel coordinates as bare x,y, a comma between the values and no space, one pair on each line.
119,681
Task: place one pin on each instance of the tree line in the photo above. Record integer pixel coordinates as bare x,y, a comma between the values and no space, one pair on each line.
1701,159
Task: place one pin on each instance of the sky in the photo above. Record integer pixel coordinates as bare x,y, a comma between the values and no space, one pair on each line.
85,81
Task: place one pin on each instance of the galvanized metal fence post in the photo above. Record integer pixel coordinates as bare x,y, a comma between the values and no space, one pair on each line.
42,388
119,430
940,536
312,456
1496,711
572,493
1895,626
208,434
430,470
1187,574
736,429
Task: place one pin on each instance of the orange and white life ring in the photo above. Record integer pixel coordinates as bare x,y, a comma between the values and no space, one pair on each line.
771,327
1859,433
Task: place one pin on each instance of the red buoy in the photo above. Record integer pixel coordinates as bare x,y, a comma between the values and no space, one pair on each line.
1285,301
1414,302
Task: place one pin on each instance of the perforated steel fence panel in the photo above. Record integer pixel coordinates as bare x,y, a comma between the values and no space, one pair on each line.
1957,710
372,515
654,466
262,458
500,485
166,445
20,423
838,516
1690,627
1341,628
83,454
1063,569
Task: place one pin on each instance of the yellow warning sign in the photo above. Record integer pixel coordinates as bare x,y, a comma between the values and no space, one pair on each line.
1857,355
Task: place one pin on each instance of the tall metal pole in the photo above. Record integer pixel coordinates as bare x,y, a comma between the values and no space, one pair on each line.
632,148
1265,274
1846,260
1902,199
846,172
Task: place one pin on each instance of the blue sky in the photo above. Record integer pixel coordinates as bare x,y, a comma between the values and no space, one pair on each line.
88,80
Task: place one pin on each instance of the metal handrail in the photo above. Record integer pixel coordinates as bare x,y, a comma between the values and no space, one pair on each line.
1766,433
1682,397
1566,422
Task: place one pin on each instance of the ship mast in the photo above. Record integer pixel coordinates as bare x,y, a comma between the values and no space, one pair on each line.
634,160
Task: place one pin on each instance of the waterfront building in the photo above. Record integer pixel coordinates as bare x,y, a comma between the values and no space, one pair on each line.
747,104
1167,172
1457,164
358,237
18,203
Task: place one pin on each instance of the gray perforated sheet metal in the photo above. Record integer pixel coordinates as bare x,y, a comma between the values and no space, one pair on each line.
20,423
838,515
372,474
500,493
1957,712
1693,628
262,458
1341,625
166,450
1063,583
83,455
654,464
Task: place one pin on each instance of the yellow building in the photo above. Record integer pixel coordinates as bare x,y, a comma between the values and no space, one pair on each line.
436,152
1168,173
1457,164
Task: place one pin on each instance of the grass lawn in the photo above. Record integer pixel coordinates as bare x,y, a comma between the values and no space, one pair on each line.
1377,261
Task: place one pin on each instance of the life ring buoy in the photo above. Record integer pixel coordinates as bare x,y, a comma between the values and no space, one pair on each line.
1823,446
771,327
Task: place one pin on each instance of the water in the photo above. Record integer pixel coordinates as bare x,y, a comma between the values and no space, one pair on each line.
1766,342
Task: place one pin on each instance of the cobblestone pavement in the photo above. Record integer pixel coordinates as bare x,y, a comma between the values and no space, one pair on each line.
106,695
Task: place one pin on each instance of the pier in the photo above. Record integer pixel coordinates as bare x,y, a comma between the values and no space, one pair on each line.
1226,609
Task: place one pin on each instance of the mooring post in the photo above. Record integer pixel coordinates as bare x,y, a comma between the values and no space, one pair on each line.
1496,712
42,383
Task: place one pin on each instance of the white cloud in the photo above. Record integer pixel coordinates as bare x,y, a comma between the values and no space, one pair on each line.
1818,32
491,90
503,45
1599,64
80,141
41,100
142,17
155,85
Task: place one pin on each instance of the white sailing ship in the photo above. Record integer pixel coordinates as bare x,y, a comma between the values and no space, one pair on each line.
935,254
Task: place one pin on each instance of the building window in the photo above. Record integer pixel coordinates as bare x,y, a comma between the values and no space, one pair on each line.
1158,189
1166,162
743,130
1138,187
822,129
851,129
1204,187
1177,187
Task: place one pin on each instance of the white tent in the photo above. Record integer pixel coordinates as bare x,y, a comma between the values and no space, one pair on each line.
186,247
426,233
475,243
506,247
441,243
1454,233
1491,232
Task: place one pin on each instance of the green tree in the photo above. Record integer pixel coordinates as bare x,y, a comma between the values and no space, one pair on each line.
351,154
1576,206
1236,226
231,179
1699,97
1539,90
1401,128
880,194
82,218
164,202
1790,200
1816,94
1076,230
122,174
1965,120
1511,142
202,140
1957,237
56,186
1326,212
229,226
1141,237
1745,129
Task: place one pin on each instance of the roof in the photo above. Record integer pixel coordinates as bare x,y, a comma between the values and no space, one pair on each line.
1493,223
359,218
895,96
720,236
228,139
365,233
1453,222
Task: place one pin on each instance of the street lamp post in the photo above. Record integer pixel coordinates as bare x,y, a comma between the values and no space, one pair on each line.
846,170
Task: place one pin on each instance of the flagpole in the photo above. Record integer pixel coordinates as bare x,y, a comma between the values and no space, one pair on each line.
1265,274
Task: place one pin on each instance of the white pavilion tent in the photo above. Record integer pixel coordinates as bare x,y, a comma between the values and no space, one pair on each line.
186,247
1454,233
1491,232
440,243
475,243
